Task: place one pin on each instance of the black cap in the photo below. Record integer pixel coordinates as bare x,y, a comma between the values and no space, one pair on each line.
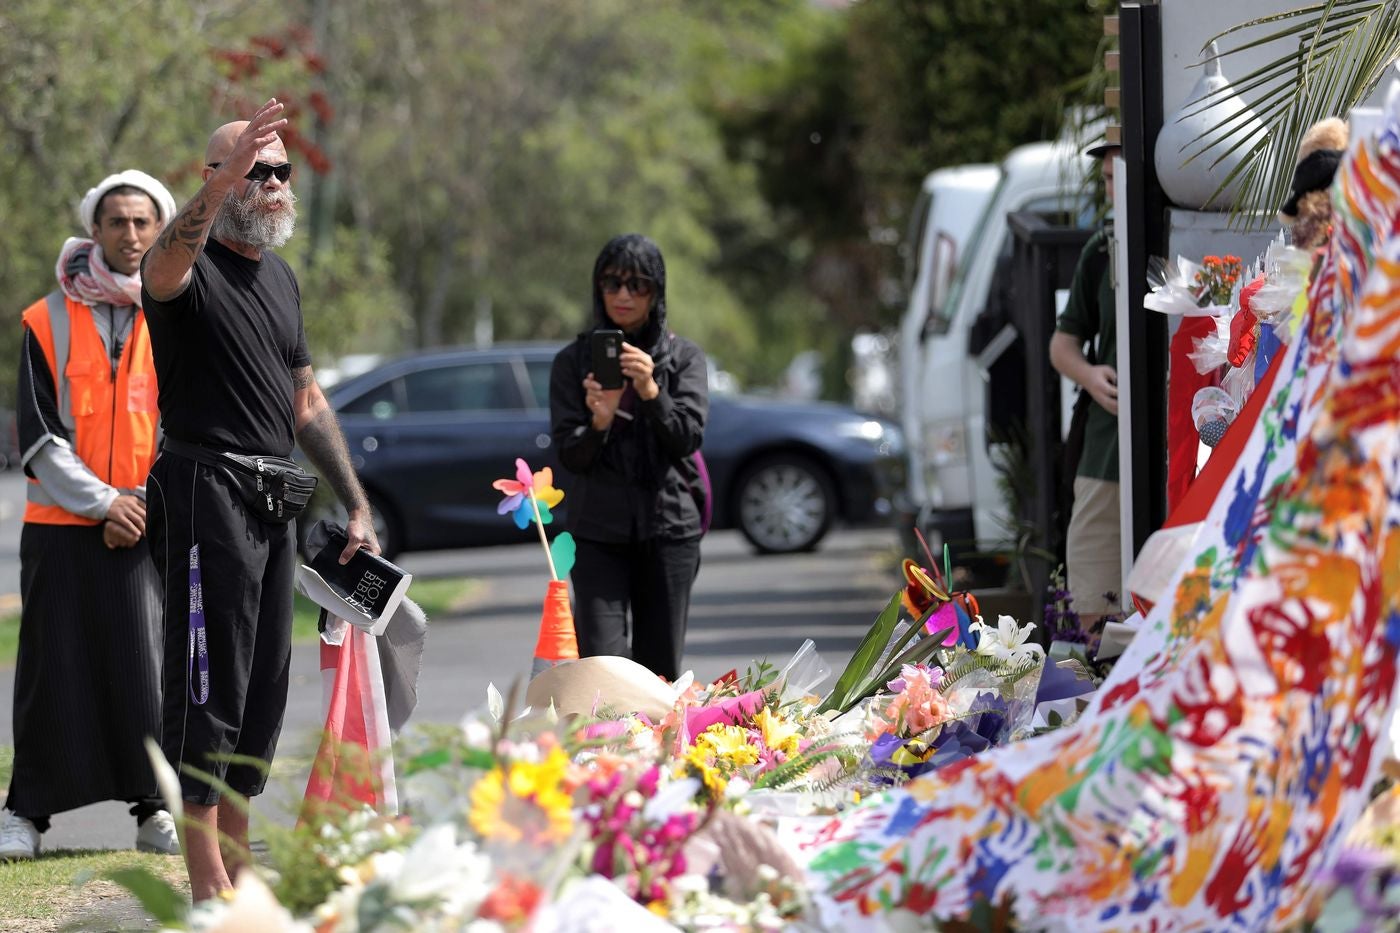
1314,173
1099,150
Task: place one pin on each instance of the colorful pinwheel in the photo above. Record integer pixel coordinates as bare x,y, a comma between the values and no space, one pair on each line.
529,497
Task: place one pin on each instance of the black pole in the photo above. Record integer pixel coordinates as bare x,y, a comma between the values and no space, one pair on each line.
1146,342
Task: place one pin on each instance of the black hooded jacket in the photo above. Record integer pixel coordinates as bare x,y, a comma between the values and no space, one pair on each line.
637,480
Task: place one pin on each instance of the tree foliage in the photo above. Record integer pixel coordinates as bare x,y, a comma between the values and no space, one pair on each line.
845,126
460,162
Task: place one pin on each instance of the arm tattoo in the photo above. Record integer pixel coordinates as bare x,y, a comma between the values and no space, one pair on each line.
188,230
301,378
323,442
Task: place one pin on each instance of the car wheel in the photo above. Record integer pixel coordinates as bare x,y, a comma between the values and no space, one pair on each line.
386,526
785,503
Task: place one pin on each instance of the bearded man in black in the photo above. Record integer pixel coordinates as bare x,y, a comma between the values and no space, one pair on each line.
235,378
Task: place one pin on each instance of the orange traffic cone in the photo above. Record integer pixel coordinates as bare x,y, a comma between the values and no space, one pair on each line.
557,641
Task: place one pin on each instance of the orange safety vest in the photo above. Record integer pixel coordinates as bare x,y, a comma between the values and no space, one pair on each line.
112,418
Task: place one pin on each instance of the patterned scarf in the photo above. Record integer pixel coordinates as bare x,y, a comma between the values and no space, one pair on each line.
83,275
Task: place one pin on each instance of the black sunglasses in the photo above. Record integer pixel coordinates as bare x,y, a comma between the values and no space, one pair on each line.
638,286
262,171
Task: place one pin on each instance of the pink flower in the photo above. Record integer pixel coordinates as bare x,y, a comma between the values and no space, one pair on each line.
917,706
916,673
612,729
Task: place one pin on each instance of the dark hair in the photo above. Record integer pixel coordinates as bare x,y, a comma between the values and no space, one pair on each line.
639,255
122,190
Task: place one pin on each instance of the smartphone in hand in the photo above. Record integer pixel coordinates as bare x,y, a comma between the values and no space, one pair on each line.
606,346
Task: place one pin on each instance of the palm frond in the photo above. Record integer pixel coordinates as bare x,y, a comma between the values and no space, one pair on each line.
972,663
796,767
858,778
1345,48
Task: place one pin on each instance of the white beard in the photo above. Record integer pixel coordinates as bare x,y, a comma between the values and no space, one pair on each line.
240,220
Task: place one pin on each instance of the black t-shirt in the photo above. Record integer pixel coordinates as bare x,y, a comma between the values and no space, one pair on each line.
225,349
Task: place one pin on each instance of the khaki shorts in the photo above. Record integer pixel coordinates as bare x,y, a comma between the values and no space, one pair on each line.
1093,547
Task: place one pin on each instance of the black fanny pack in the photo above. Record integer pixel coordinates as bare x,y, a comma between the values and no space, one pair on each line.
274,489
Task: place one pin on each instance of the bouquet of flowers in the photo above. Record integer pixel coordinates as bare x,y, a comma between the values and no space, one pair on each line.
1188,289
1216,278
961,703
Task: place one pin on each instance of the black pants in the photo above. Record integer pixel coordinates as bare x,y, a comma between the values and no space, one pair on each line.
653,578
247,571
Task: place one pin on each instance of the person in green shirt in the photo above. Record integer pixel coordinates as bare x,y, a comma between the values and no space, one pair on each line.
1084,349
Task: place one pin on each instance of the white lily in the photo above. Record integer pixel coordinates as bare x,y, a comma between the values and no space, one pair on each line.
671,799
1007,642
436,869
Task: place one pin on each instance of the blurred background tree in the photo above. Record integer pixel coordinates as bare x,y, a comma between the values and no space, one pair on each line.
460,162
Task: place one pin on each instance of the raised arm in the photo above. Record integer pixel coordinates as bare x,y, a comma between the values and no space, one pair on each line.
318,433
165,271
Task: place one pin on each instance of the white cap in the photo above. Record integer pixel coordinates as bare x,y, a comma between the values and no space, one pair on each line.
87,209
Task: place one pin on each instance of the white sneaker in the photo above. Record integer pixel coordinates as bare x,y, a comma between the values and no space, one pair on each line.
158,834
18,838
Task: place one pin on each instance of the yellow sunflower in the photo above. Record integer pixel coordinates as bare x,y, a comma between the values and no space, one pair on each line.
529,801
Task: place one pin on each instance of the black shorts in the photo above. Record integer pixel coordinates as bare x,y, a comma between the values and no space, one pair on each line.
247,570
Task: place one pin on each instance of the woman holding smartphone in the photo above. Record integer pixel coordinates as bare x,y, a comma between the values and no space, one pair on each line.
627,412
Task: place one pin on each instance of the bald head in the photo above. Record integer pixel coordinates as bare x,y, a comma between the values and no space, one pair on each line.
221,144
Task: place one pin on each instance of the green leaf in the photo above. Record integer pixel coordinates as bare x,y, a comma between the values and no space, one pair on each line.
158,898
866,655
917,653
428,761
478,758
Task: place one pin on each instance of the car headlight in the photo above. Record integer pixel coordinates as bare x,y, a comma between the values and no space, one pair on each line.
885,437
873,431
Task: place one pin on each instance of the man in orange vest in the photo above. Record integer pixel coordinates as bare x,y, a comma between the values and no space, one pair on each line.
87,684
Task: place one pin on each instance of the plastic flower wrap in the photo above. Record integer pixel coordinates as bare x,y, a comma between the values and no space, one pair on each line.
1213,351
1287,270
1185,288
1212,411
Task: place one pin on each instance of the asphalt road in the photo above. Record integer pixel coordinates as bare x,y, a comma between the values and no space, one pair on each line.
744,607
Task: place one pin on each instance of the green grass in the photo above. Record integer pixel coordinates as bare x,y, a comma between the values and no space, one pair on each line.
439,596
9,637
7,764
54,888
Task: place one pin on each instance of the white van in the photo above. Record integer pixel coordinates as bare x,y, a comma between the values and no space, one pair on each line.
953,482
950,203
